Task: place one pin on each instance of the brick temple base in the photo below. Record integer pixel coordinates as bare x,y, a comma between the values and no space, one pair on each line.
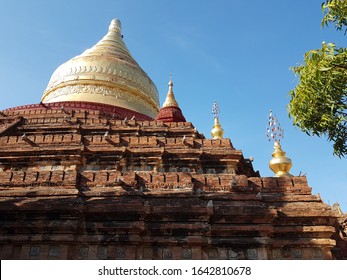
79,184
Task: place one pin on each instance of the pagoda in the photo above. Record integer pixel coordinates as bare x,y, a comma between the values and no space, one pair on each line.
98,170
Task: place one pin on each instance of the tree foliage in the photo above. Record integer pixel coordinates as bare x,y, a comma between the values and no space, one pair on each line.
318,103
335,11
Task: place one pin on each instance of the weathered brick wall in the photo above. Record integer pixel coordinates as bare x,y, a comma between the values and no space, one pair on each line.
77,184
113,215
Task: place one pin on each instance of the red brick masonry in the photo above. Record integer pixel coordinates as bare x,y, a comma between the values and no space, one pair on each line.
82,184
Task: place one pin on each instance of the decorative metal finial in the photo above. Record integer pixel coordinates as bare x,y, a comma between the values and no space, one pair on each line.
280,164
170,82
215,110
217,131
274,130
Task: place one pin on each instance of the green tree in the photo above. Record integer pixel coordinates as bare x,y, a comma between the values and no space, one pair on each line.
335,11
318,104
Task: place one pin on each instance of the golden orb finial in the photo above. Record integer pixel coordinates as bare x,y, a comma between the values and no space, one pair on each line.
280,164
217,131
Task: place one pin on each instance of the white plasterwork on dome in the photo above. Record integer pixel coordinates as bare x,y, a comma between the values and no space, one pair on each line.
93,89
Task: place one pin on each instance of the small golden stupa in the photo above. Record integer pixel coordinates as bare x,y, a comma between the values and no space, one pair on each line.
217,131
280,164
170,111
105,74
170,99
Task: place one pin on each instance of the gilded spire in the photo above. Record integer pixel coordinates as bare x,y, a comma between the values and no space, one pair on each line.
112,44
170,97
280,164
170,111
217,131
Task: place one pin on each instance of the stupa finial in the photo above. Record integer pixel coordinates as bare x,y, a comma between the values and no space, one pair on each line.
217,131
171,82
115,25
280,164
215,110
274,130
170,111
170,97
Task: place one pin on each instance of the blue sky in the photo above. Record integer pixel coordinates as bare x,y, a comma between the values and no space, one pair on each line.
235,52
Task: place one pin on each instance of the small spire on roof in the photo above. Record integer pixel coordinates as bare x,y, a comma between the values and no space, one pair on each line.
280,164
170,111
217,131
170,97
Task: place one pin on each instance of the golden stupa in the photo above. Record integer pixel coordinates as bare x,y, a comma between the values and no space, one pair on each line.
280,164
106,74
170,99
217,131
170,111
